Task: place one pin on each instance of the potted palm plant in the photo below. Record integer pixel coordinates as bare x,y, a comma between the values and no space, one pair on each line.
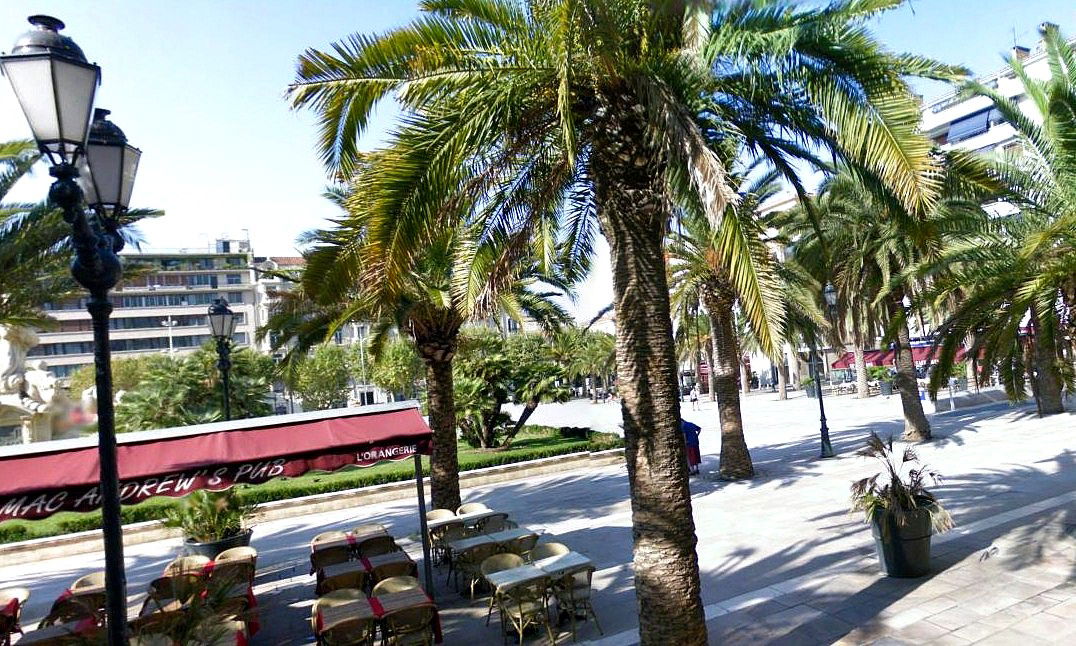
212,521
884,378
808,385
902,513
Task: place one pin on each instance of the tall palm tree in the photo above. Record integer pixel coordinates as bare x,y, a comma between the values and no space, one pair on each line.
35,252
563,114
869,247
457,279
1014,292
728,264
693,341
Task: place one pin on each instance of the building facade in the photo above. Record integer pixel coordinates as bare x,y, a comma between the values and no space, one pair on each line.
161,306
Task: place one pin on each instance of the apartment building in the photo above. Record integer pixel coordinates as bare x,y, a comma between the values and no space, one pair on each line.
160,306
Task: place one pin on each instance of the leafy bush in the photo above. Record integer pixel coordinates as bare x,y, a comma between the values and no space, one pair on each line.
879,373
900,486
207,516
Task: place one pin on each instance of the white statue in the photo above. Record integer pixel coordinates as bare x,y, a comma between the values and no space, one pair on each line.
29,398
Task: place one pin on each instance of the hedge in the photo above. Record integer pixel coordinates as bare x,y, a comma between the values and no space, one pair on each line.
534,443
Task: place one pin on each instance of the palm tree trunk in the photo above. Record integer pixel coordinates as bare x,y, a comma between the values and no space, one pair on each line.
698,371
710,367
444,463
782,378
745,379
916,426
1045,361
735,458
862,391
633,213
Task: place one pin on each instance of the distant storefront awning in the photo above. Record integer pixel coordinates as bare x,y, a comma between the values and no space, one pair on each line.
38,480
920,355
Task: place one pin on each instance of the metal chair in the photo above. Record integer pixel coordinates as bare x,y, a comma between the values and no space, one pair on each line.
441,536
498,563
521,545
572,592
376,545
409,626
470,508
524,605
547,550
395,584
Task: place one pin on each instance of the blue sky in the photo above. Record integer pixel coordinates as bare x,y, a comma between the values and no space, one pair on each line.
198,85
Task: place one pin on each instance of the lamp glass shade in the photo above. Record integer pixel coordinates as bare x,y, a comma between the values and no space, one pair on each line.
56,95
831,295
108,173
222,319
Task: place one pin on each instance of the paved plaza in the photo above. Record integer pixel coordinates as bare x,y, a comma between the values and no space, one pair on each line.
782,560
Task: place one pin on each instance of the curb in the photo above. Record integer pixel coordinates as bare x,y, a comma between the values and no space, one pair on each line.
49,547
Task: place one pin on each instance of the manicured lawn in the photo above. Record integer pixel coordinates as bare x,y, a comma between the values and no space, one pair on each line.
533,443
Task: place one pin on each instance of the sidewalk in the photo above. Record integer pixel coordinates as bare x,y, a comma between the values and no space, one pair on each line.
781,559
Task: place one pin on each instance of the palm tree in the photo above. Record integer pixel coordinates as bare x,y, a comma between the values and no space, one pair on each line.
1021,279
869,248
35,252
693,339
457,279
727,263
534,117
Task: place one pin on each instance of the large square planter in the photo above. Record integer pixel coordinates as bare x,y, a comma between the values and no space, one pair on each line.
903,550
210,550
885,388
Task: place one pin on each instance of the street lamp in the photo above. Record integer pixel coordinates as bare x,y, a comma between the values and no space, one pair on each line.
55,87
830,295
222,321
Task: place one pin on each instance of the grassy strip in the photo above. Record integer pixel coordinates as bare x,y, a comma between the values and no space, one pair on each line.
533,443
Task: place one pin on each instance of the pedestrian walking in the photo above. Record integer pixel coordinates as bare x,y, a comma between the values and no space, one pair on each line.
695,397
691,440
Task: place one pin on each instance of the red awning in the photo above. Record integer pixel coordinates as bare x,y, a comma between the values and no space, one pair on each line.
920,356
41,479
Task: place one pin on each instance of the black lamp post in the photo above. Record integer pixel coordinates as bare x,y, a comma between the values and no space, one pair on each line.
830,295
222,321
55,87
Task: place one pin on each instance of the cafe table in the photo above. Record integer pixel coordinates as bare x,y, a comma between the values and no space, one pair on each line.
412,598
483,539
561,564
353,538
331,616
466,519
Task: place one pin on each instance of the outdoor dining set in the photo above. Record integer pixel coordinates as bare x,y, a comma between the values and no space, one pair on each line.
196,600
485,548
365,586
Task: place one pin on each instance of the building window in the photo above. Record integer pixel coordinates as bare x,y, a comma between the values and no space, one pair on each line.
235,279
235,297
973,124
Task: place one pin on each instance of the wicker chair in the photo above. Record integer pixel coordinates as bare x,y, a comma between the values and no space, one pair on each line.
353,580
219,630
409,626
186,565
239,555
440,514
395,584
356,632
573,596
469,564
493,523
498,563
329,556
376,546
70,609
159,623
441,537
547,550
470,508
167,588
522,545
10,623
369,528
388,570
525,605
92,580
